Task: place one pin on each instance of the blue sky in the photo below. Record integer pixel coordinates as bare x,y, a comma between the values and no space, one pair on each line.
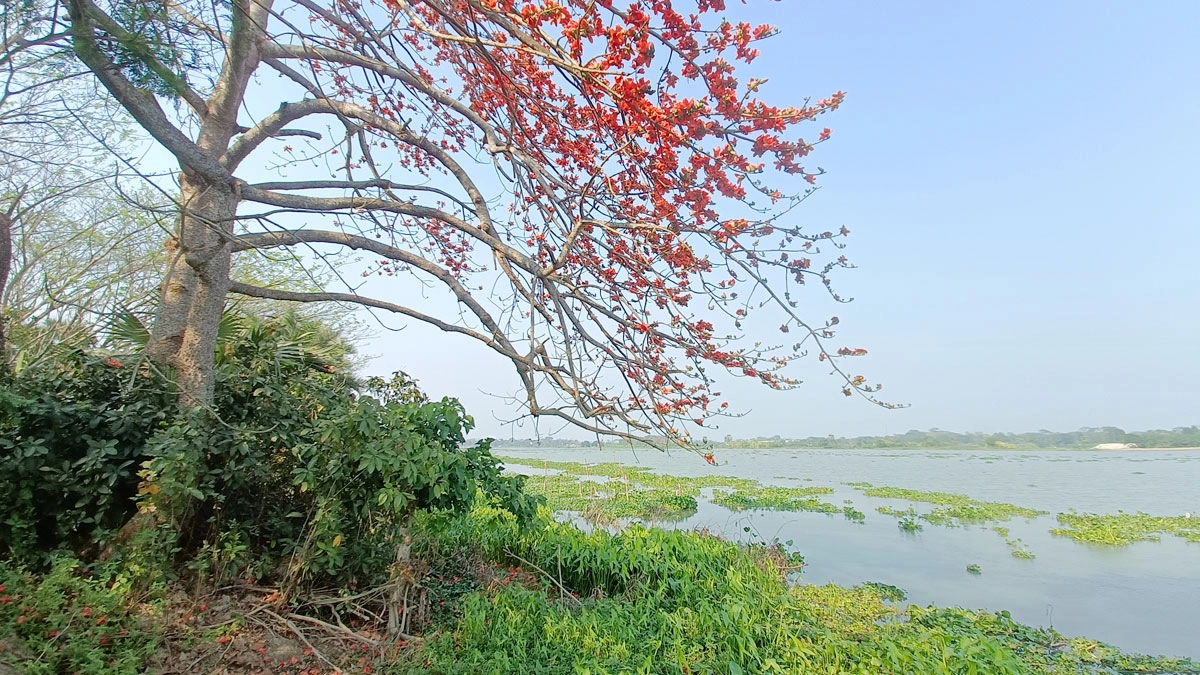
1021,182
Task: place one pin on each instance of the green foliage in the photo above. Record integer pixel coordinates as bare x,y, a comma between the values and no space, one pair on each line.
887,591
72,436
295,471
1122,529
370,468
306,469
649,601
647,505
150,47
72,620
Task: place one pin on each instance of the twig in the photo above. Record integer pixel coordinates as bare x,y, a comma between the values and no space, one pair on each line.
205,655
407,611
349,598
342,630
566,593
250,614
243,587
300,634
55,639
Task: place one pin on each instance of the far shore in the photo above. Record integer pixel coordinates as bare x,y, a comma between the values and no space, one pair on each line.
1141,449
500,448
811,447
954,449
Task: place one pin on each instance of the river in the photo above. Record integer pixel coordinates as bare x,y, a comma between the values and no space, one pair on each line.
1143,598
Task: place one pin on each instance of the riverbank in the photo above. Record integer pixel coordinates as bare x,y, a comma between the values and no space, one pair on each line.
491,596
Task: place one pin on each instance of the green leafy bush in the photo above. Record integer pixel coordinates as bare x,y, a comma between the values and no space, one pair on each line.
315,476
72,437
371,467
297,470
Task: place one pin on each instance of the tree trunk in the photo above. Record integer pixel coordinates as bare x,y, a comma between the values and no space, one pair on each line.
185,329
175,299
5,266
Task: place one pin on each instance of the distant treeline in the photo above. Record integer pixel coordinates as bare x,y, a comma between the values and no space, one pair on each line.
1088,437
1179,437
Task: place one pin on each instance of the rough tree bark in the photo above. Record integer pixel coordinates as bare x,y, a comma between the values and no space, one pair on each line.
206,230
184,334
5,265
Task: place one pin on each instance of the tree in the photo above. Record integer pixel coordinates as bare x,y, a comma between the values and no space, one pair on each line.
44,100
605,164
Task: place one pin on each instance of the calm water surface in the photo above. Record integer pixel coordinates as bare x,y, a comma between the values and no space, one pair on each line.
1144,597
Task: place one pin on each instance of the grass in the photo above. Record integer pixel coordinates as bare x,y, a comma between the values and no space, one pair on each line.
1122,529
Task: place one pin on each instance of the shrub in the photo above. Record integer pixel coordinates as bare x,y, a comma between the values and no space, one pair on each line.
297,469
72,437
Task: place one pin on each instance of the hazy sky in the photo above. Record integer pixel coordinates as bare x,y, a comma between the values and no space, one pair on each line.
1021,184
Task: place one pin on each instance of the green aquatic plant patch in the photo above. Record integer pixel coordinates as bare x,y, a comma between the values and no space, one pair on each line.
887,592
776,499
605,500
854,515
952,509
1022,552
645,600
1122,529
606,492
907,519
640,475
649,505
